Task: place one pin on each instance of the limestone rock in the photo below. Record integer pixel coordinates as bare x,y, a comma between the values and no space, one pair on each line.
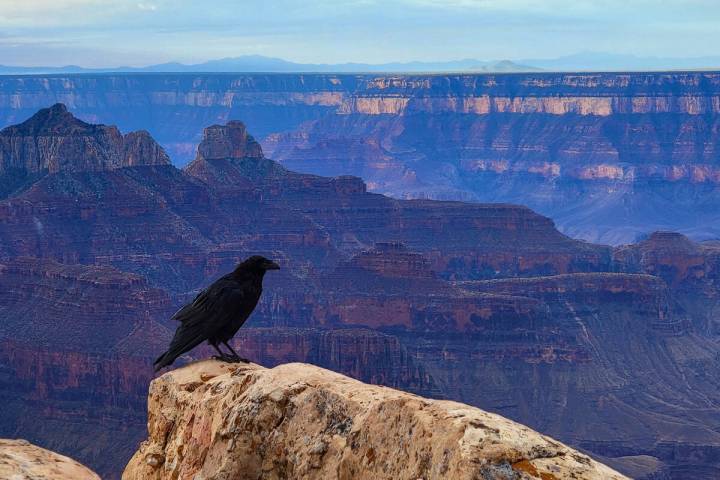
21,460
228,141
218,421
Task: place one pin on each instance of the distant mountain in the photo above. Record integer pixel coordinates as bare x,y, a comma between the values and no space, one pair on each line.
583,61
266,64
10,70
600,61
259,63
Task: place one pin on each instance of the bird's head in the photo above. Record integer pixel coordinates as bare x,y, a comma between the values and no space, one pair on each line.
258,263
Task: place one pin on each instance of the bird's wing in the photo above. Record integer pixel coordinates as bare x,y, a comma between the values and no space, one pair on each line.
187,309
216,305
205,316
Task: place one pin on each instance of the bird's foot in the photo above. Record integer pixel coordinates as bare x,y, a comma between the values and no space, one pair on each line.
224,358
238,359
231,359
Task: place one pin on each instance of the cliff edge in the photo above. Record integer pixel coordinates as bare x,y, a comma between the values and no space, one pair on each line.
218,421
21,460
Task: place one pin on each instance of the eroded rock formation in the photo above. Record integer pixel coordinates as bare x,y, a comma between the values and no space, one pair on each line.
211,420
53,140
601,153
20,460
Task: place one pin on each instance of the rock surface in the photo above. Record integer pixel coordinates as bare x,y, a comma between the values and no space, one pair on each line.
217,421
21,460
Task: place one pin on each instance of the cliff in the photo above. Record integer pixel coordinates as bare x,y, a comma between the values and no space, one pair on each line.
600,153
21,460
214,420
692,269
673,257
53,140
73,356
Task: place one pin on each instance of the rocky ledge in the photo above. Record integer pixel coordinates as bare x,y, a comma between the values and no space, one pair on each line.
20,460
217,421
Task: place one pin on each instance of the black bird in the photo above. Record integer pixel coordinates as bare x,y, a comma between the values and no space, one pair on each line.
219,311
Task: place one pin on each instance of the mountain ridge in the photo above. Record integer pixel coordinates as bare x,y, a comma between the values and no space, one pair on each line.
587,61
55,140
259,63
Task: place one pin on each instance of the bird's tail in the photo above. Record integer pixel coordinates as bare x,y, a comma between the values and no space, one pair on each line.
163,361
184,341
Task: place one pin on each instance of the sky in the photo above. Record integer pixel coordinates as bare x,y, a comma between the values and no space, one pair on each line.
105,33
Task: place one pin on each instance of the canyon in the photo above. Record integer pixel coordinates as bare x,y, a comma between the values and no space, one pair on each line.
611,157
612,350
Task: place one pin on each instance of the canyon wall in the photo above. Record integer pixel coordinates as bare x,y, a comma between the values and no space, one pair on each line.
612,350
611,157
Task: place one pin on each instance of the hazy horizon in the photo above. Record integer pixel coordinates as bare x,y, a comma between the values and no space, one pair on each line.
580,62
105,34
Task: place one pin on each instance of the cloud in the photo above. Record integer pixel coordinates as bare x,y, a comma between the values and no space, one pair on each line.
617,10
32,12
68,13
352,30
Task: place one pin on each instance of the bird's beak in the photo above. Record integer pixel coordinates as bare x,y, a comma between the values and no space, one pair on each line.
272,266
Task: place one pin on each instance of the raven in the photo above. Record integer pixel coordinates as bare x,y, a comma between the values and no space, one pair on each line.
219,311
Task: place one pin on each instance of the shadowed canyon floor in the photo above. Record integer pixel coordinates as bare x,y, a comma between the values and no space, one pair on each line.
611,350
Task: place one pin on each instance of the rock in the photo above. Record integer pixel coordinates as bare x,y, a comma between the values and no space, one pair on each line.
301,421
53,141
228,141
21,460
227,154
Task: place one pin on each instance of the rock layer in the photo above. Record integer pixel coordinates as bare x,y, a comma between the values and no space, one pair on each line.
53,140
218,421
601,153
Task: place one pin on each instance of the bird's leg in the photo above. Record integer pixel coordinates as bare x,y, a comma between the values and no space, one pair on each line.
238,358
223,357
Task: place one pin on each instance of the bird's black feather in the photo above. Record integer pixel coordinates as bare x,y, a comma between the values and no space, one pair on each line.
218,312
